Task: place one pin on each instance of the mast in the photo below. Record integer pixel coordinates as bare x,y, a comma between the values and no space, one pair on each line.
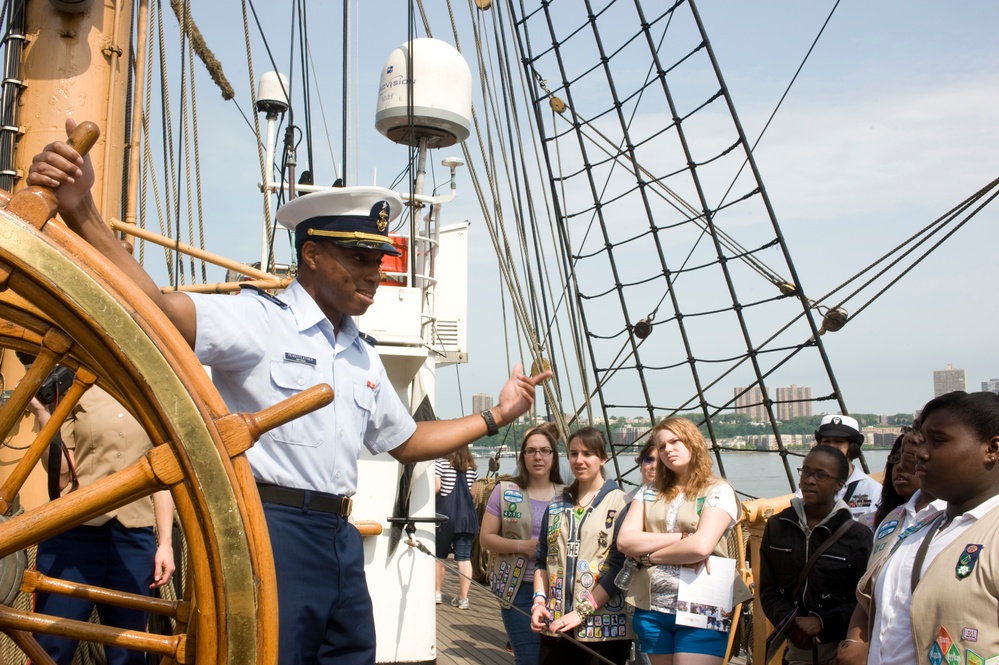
76,65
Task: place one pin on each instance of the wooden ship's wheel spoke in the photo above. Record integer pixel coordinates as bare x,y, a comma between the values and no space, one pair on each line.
61,301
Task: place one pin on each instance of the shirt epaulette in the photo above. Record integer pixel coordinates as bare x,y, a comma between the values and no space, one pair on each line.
367,338
264,294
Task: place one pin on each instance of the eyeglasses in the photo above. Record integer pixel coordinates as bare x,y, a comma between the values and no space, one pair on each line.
543,452
819,475
648,460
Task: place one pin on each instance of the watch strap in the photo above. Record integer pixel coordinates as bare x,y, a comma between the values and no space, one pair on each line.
491,428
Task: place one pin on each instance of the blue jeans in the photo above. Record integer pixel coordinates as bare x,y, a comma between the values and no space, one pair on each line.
110,556
517,621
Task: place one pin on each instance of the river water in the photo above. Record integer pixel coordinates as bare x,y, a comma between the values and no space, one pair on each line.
752,474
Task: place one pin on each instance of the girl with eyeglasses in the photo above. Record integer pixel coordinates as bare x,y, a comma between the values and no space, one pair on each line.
825,598
510,529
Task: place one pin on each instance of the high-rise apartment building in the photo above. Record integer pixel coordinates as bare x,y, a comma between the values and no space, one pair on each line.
794,402
751,403
790,402
948,380
481,402
991,386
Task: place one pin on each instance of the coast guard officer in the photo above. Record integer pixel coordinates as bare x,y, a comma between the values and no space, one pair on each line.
263,349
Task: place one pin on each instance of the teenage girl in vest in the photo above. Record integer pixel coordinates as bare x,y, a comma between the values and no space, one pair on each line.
510,529
682,521
935,595
574,592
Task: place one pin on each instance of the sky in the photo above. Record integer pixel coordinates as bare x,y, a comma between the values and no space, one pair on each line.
891,123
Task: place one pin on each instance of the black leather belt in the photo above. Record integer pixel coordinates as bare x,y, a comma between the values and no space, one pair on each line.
335,504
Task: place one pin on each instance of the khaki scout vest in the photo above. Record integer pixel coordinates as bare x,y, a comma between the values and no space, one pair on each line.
506,571
656,511
596,533
954,618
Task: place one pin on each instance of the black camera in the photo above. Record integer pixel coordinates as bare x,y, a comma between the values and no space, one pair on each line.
55,385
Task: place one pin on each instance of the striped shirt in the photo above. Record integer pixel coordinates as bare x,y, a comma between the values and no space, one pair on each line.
448,476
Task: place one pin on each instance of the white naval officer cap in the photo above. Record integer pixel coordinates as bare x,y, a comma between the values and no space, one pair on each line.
346,216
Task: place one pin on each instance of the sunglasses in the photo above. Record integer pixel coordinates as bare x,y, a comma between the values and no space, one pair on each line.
648,460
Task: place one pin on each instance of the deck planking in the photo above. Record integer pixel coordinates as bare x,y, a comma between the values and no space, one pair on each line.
472,636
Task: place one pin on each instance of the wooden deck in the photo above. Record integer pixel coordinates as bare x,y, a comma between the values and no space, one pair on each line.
472,636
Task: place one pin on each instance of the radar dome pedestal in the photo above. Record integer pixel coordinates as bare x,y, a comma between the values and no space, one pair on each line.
441,85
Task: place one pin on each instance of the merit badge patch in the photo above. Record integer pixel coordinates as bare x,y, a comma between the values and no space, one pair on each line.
609,519
935,655
513,496
972,658
943,641
966,562
969,634
887,528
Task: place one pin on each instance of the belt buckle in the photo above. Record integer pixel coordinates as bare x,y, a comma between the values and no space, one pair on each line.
346,506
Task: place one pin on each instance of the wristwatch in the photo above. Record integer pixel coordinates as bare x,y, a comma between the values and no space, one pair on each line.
491,428
646,560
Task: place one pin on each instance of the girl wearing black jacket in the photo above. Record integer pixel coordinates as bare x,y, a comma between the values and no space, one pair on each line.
826,598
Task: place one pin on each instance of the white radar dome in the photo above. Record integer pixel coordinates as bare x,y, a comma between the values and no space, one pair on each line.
442,95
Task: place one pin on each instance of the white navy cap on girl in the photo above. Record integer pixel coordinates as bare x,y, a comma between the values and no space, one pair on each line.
346,216
840,426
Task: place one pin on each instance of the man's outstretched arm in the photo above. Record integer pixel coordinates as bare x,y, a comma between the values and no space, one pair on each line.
62,168
437,438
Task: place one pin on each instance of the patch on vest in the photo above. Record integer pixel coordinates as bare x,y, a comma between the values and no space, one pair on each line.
969,634
887,529
943,650
513,496
966,562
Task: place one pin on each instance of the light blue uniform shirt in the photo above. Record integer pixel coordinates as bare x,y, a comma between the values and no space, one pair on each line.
261,353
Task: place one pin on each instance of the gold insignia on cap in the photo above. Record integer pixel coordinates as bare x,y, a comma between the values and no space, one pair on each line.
383,218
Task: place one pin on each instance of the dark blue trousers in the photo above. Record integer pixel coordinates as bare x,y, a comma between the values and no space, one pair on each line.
323,601
109,556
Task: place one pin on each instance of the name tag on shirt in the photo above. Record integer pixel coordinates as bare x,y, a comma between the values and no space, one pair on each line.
296,358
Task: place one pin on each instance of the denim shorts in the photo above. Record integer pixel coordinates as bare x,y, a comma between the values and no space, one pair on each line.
659,633
460,544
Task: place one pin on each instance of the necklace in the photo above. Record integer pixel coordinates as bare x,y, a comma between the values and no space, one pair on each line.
581,507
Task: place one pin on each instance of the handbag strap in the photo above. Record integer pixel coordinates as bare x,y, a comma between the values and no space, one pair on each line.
830,541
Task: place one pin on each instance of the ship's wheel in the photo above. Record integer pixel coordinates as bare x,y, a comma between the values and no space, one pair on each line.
60,301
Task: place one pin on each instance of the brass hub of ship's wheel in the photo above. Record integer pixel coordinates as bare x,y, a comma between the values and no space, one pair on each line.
61,301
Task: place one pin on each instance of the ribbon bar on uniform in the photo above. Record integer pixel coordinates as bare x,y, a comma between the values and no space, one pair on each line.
335,504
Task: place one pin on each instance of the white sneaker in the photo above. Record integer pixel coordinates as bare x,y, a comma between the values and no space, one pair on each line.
437,597
460,603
